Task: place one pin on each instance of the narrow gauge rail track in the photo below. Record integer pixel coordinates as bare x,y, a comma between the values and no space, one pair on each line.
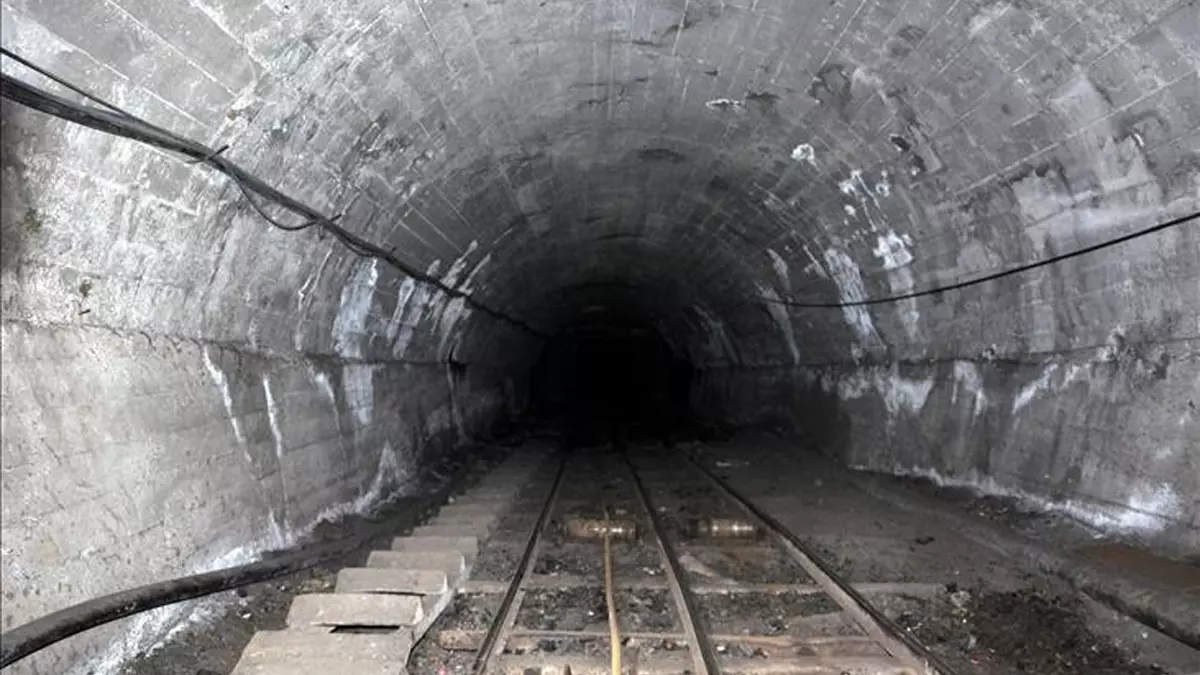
687,604
496,584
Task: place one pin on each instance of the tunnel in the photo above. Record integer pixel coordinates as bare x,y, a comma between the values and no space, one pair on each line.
631,221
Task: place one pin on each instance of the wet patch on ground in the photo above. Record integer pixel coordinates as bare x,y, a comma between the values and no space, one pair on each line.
746,563
1014,632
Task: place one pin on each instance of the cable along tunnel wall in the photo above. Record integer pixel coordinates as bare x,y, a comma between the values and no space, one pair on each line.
185,387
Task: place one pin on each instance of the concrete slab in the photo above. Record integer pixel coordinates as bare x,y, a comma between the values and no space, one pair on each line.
304,651
355,609
381,580
451,563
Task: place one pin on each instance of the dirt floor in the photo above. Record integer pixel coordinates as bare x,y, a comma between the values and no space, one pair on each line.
577,609
761,613
1026,631
995,615
986,613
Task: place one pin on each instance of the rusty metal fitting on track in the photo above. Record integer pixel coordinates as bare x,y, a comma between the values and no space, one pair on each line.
597,528
724,528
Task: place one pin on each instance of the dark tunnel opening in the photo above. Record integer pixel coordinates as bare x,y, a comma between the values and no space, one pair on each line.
610,378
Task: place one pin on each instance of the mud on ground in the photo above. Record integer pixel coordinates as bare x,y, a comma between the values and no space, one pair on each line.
1016,632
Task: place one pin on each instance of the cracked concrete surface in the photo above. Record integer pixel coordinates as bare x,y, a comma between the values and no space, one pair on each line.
182,381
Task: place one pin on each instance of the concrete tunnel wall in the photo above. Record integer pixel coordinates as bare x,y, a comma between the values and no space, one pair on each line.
185,386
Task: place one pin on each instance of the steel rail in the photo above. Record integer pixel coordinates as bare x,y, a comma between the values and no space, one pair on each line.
704,658
878,626
506,617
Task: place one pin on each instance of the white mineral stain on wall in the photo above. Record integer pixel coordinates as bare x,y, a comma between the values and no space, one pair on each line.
849,186
386,483
1124,189
302,299
350,324
219,379
1030,391
450,310
899,394
902,394
452,313
278,520
805,153
725,104
867,197
273,415
460,265
779,313
781,269
390,481
986,16
884,187
845,275
469,284
456,312
1148,509
814,266
322,381
893,252
403,296
412,313
968,378
1151,508
358,385
719,346
349,332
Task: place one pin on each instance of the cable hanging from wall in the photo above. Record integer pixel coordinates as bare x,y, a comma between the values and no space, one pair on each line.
1174,222
113,120
119,122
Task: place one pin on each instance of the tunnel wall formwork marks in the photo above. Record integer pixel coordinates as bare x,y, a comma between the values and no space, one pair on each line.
135,458
185,388
1111,443
1074,386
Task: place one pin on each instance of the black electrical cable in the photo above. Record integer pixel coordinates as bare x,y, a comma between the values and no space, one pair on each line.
997,275
49,75
137,129
121,123
19,642
265,216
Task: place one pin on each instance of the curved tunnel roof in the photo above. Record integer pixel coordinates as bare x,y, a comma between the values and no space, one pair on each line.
712,158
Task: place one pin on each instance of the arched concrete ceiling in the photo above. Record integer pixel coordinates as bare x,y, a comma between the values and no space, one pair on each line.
721,153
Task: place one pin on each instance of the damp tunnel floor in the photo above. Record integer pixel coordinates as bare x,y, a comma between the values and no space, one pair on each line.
987,584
